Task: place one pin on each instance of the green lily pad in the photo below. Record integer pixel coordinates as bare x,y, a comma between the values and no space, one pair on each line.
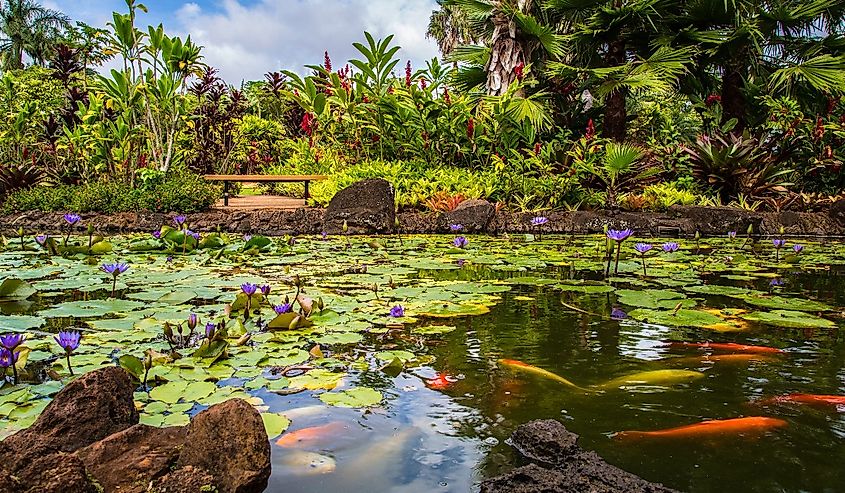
275,424
790,319
359,397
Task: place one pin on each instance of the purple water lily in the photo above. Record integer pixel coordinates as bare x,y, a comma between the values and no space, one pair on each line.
210,330
619,235
798,248
642,247
671,247
283,308
193,320
42,239
247,237
778,243
9,359
169,259
72,219
776,283
456,227
179,220
539,221
69,341
265,289
192,234
617,314
731,234
397,311
460,242
12,341
115,270
325,235
156,235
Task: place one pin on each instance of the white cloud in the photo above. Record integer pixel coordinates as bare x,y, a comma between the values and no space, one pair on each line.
247,41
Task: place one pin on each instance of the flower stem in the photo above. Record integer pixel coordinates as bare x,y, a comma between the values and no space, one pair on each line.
618,251
14,370
69,368
113,285
644,271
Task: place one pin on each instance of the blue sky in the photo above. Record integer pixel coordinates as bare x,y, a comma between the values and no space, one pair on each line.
245,39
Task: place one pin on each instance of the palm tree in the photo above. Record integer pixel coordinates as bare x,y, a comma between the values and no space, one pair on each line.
450,28
28,28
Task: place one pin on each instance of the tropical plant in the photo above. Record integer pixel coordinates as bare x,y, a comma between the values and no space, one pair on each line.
613,167
28,28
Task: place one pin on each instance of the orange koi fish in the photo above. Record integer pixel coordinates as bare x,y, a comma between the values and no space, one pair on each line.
526,368
311,437
716,427
806,399
722,358
727,347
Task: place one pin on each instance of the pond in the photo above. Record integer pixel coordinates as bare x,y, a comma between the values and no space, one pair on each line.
361,395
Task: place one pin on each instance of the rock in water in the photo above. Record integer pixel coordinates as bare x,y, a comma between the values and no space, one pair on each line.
89,409
367,207
229,441
573,470
474,215
127,461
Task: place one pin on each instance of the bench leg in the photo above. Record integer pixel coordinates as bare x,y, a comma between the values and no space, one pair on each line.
225,194
307,194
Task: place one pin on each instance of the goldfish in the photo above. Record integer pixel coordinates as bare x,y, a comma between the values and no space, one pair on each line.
657,377
728,347
736,426
308,463
313,436
807,399
525,367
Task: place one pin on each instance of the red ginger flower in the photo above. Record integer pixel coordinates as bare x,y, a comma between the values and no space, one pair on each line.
328,63
591,130
408,74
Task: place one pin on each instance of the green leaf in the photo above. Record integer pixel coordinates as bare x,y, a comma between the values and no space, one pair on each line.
275,424
359,397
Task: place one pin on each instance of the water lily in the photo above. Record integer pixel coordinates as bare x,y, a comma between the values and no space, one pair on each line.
9,359
156,235
283,308
798,248
539,221
460,242
192,234
618,236
72,219
210,330
115,270
617,314
247,237
42,239
776,283
193,320
456,227
10,342
643,248
671,247
397,311
69,341
778,243
731,235
248,288
179,220
265,289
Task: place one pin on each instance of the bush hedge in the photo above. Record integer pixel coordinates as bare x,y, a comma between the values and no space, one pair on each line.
180,192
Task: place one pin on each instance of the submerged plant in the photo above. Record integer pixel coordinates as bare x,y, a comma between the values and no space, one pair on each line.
115,270
10,342
643,248
69,341
618,236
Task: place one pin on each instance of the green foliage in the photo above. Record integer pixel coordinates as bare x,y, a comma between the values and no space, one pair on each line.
180,192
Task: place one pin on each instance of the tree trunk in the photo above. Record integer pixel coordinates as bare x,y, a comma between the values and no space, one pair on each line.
506,52
615,112
733,99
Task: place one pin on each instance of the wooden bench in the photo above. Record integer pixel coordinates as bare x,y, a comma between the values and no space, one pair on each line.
226,179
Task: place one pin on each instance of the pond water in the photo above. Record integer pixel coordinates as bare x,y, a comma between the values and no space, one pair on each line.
424,402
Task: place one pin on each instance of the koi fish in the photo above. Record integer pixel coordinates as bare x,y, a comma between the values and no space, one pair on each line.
314,436
526,368
657,377
736,426
728,347
807,399
305,412
308,463
723,358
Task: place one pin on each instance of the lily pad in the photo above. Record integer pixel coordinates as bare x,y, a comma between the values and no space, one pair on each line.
359,397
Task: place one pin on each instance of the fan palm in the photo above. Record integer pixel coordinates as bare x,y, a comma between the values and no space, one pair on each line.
28,28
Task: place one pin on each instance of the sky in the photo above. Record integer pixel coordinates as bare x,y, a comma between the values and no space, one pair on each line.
244,39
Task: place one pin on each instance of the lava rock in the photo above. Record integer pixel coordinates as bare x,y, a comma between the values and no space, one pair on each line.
42,470
189,479
129,460
229,439
88,409
572,470
474,215
717,221
367,207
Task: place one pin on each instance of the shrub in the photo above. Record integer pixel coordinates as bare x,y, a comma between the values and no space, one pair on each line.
181,191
